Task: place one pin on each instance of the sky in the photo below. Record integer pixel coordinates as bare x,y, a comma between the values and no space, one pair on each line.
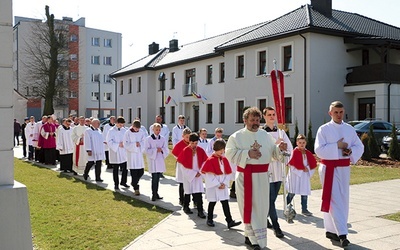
142,22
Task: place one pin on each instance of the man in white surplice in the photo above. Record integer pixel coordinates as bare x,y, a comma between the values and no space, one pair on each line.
80,155
251,149
336,144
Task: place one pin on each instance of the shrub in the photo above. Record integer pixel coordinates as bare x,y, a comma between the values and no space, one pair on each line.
367,154
296,133
310,140
372,144
394,148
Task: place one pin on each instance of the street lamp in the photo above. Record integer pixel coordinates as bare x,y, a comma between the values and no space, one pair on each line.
162,79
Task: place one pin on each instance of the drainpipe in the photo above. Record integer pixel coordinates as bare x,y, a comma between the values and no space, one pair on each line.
305,81
115,97
388,113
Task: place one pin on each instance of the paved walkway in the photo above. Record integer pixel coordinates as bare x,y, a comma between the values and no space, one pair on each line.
367,230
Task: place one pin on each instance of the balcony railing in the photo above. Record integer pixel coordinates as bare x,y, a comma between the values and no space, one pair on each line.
187,89
380,72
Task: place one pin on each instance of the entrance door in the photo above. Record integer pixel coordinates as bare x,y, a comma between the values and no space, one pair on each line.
196,118
366,108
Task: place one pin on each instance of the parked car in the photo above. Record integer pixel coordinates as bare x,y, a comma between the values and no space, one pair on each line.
380,129
353,123
386,140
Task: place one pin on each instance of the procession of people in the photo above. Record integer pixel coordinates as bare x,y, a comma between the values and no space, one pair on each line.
251,161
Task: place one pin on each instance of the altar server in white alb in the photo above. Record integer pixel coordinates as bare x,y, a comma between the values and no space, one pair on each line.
251,149
65,145
164,128
117,152
177,130
80,156
203,142
156,148
134,140
336,144
94,147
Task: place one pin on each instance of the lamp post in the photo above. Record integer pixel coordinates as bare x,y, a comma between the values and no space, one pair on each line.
162,79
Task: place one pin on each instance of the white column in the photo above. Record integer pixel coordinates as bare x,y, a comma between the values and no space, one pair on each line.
15,227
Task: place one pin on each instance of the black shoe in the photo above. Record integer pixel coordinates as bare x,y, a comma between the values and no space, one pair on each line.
116,187
75,173
278,233
201,215
159,197
332,236
153,198
269,225
234,223
187,210
210,223
232,194
181,203
85,176
247,241
99,180
162,176
344,242
124,185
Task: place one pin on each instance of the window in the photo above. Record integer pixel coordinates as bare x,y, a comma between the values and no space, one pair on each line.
139,84
222,112
107,96
240,66
209,113
121,88
139,113
172,114
73,38
222,72
262,62
95,41
129,115
73,57
130,86
107,43
95,96
239,111
121,112
288,110
262,103
287,58
365,57
73,94
107,60
209,74
107,78
172,80
95,77
96,60
190,76
73,75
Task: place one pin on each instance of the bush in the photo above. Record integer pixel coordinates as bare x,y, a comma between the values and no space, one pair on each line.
367,153
310,140
394,148
372,144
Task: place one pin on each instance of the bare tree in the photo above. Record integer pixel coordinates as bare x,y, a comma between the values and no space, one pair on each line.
47,61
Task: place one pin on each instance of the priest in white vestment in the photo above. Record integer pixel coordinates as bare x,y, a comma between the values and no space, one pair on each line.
79,155
252,149
336,144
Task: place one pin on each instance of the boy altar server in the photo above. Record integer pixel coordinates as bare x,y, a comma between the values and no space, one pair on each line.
65,145
157,150
94,147
134,140
192,159
217,174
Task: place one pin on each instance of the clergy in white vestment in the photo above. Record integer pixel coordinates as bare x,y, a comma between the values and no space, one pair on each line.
336,144
134,140
156,148
217,175
117,152
94,147
302,165
107,128
203,142
192,158
65,145
29,133
79,156
251,149
276,168
178,129
164,128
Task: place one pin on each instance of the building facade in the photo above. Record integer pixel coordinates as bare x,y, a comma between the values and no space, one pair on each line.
326,55
91,55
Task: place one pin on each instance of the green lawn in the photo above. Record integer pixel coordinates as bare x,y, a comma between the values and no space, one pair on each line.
70,214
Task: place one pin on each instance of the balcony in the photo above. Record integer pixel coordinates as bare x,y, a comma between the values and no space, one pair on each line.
372,73
187,89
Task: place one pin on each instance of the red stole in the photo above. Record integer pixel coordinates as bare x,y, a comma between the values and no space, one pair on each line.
297,159
186,157
212,165
328,181
179,147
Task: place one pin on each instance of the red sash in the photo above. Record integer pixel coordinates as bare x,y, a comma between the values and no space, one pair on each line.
328,181
248,186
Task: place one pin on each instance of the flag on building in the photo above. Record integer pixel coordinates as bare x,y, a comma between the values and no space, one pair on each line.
199,96
168,99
